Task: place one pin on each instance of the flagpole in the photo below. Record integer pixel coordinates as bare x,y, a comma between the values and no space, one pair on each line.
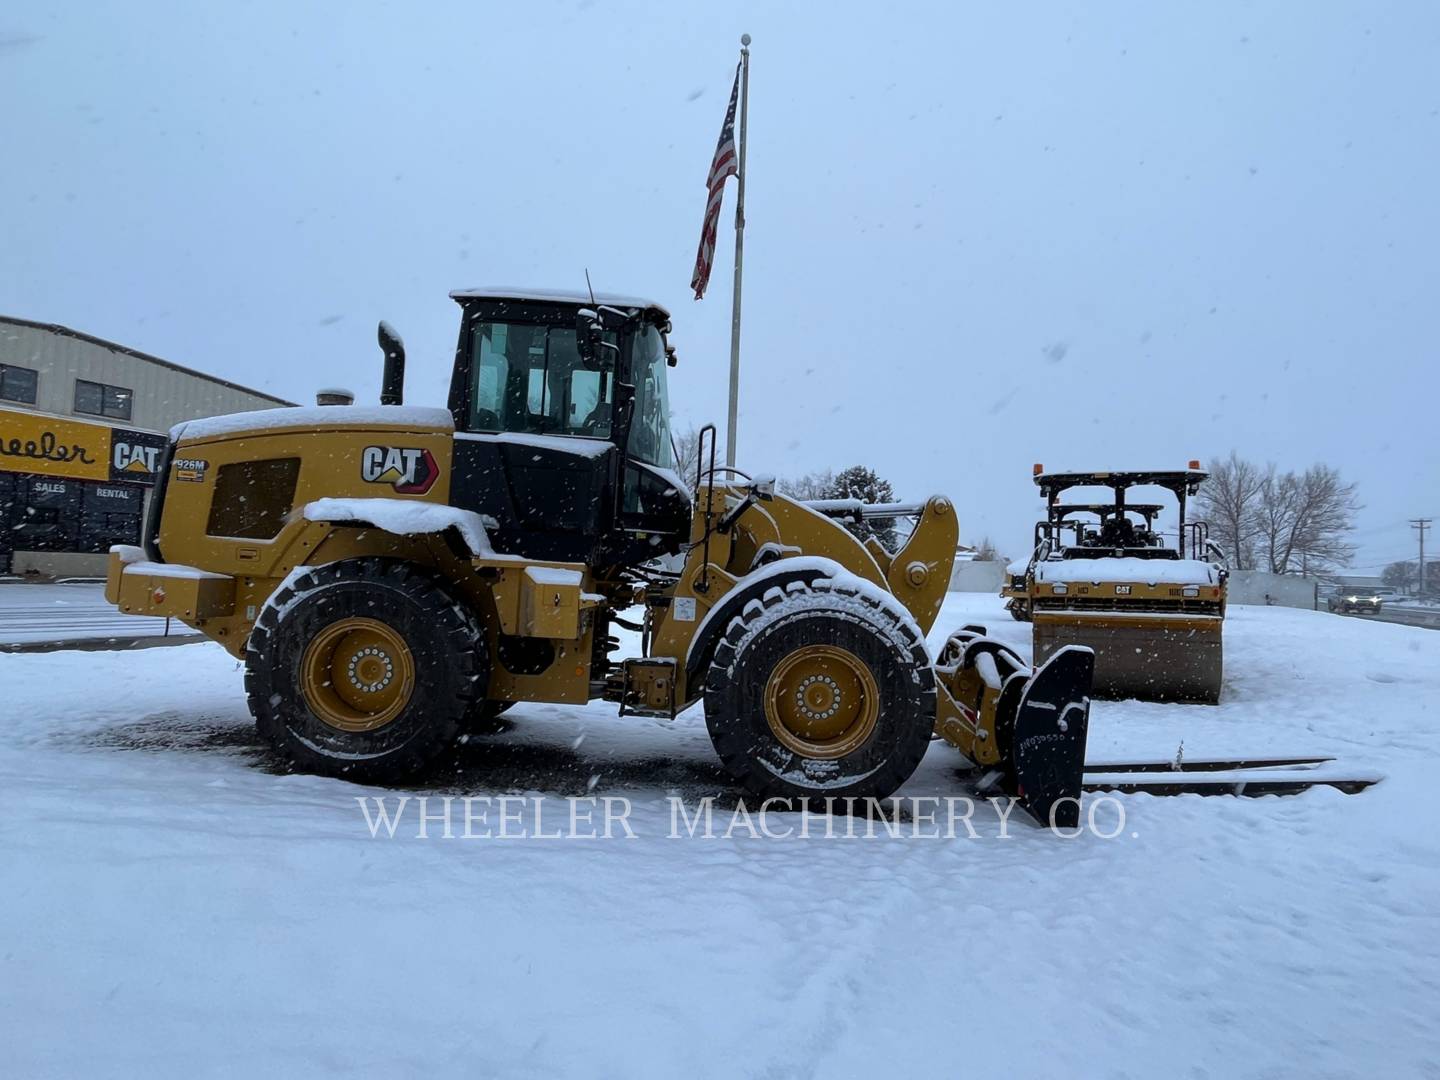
739,252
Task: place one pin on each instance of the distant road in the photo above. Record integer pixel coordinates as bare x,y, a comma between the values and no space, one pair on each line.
1429,619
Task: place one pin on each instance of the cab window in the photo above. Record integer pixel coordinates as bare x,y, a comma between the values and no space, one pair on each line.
529,378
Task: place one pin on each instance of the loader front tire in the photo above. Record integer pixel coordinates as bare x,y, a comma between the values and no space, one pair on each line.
363,669
821,691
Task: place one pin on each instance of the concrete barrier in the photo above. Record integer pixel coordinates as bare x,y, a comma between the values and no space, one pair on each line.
977,576
1283,590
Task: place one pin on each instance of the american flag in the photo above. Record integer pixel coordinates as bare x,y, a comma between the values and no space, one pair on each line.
724,165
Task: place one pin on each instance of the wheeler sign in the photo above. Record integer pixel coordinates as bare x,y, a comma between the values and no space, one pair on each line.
45,445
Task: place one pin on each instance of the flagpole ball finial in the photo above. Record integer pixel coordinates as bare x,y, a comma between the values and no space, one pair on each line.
744,39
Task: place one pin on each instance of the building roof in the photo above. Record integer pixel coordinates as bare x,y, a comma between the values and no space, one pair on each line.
65,331
563,296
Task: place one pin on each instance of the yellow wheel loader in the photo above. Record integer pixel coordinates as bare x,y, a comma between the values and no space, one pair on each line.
392,576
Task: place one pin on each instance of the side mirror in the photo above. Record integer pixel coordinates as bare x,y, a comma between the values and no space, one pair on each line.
670,358
587,338
596,353
612,318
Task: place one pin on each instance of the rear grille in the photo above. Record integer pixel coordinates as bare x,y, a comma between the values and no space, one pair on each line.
1180,606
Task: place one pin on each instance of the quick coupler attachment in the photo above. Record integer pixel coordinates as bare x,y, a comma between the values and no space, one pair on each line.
1045,762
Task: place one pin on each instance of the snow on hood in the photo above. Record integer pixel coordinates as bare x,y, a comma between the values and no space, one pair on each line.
1149,571
405,517
411,416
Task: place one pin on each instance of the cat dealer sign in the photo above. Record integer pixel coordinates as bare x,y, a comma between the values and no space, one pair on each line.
44,445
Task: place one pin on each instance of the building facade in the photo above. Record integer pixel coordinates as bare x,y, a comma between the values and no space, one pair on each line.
82,423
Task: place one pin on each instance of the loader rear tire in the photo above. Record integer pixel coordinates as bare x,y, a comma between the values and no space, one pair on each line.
363,669
821,691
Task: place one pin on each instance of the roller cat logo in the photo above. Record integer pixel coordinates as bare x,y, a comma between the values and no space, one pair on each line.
408,470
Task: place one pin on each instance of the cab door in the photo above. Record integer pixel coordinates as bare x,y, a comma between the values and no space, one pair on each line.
532,447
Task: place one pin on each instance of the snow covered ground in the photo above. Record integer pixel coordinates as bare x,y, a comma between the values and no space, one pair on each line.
173,906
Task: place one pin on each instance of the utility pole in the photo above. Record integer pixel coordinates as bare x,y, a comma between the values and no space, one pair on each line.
1420,525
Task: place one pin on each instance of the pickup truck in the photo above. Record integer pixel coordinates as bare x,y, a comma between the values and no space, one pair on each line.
1356,600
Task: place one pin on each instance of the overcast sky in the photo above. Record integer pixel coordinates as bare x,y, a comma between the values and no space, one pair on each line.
980,236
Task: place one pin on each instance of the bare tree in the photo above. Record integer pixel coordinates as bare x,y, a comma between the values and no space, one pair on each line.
1402,575
1283,522
1303,520
1230,500
813,485
987,551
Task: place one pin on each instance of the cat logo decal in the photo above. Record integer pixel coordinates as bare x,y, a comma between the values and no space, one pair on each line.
408,470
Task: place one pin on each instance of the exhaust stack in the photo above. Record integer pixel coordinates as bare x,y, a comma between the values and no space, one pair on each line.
392,382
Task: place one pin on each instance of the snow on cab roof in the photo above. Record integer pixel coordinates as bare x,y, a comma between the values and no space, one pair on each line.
564,296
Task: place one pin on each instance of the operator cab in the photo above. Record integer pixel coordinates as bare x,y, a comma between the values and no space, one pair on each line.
562,424
1131,527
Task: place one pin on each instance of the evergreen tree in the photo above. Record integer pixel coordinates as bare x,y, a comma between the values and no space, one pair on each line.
858,482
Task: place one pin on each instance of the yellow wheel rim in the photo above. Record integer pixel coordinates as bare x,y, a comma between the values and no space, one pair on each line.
357,675
822,701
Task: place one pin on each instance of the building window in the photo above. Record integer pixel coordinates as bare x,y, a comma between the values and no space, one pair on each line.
98,399
18,384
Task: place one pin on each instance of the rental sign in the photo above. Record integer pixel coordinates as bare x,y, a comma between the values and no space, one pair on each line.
61,446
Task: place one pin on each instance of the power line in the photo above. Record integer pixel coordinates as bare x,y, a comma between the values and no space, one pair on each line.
1381,563
1371,530
1420,525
